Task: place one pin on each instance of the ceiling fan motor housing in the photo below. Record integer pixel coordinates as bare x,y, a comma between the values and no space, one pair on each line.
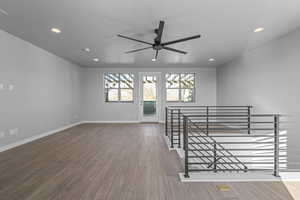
157,46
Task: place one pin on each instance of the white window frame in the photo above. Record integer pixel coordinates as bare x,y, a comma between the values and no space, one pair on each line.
119,87
180,88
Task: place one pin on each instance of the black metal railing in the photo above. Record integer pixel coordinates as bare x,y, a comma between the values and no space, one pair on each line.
174,118
226,138
216,146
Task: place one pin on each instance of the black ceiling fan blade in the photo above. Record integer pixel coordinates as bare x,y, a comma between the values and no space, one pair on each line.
175,50
182,40
160,32
136,50
129,38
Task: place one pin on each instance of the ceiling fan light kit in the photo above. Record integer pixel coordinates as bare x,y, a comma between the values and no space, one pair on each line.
158,44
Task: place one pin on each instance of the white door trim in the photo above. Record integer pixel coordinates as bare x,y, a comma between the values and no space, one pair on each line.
158,96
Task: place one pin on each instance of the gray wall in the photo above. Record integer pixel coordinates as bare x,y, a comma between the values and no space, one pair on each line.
95,109
46,92
268,78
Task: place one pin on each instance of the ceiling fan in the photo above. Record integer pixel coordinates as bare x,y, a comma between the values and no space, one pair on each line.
158,45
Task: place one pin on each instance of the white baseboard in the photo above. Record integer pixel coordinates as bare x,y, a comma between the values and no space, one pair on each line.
116,122
30,139
110,122
239,177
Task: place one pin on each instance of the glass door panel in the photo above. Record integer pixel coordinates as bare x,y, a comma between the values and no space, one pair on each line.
149,96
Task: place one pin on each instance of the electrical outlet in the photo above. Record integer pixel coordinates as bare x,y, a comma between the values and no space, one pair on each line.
14,131
2,134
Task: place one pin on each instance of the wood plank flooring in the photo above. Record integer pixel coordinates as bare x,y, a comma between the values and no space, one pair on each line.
113,162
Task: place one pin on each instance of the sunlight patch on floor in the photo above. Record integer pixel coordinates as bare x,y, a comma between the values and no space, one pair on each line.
293,188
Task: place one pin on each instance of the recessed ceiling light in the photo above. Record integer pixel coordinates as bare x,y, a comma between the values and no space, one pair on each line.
96,59
259,29
211,59
3,12
87,49
55,30
153,59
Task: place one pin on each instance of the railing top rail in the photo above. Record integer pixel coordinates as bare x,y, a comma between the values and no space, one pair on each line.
234,115
214,115
203,108
211,106
266,115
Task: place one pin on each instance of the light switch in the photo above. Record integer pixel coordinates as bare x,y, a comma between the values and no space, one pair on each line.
11,132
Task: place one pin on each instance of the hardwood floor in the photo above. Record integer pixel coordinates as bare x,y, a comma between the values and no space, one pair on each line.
111,161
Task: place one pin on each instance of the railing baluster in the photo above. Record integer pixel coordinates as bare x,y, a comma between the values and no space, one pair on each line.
172,129
276,145
186,147
207,119
215,156
179,134
249,119
166,121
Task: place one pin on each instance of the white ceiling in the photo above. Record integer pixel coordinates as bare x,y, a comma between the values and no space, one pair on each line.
226,28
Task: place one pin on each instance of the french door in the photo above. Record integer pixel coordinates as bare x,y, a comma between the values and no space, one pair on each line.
149,96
